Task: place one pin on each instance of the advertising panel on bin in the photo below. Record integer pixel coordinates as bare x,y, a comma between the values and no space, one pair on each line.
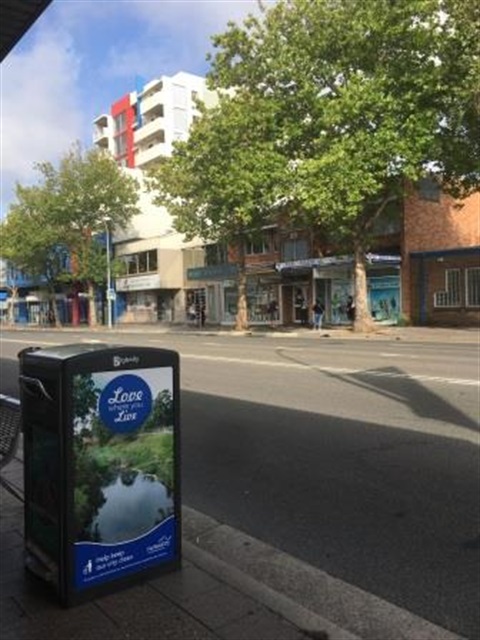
123,453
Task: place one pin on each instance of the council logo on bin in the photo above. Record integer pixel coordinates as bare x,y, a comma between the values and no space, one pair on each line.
125,403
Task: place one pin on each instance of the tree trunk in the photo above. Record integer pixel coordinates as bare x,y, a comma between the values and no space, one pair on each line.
363,322
241,323
75,305
11,305
53,306
92,307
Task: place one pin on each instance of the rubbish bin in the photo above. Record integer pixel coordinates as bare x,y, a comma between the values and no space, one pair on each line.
102,466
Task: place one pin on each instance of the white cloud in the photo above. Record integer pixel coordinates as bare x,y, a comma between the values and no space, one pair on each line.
176,35
80,56
40,112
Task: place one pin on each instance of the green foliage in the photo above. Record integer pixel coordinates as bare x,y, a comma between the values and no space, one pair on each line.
225,180
29,238
367,96
162,412
85,396
64,213
225,177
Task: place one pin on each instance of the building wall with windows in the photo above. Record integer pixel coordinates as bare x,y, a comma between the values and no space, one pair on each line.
441,258
140,128
143,124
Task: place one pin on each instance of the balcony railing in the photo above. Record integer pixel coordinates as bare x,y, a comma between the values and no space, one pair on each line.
144,156
151,103
150,130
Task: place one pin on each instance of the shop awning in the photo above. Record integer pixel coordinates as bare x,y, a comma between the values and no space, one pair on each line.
336,261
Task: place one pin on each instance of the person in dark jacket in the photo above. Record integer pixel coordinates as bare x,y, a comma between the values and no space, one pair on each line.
318,311
351,309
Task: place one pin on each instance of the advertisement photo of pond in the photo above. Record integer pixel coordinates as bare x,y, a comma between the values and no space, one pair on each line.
123,453
131,509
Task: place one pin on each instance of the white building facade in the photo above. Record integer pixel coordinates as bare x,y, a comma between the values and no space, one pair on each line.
140,128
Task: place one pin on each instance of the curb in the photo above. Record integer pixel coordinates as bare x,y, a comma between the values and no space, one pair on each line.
314,601
305,620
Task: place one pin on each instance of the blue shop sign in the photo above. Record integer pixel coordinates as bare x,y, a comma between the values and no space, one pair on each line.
213,272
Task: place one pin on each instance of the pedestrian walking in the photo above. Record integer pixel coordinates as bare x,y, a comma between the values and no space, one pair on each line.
318,311
351,309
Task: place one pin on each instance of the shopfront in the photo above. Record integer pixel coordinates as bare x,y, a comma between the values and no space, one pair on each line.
263,300
140,298
331,280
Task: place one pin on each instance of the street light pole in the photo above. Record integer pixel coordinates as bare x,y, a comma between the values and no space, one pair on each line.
106,220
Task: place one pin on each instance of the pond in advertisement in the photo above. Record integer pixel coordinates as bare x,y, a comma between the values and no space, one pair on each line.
124,472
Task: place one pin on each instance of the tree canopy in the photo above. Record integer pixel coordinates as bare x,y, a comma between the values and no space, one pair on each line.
368,96
61,216
219,184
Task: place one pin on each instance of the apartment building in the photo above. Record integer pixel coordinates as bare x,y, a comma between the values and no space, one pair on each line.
441,257
140,128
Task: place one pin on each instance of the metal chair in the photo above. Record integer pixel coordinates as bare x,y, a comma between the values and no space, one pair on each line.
10,427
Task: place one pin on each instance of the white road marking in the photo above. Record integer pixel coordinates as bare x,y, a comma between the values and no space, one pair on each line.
307,367
30,342
334,370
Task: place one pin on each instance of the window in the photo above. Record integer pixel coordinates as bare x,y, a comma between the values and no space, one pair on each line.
142,262
451,297
179,96
264,243
429,189
255,246
472,287
180,120
295,249
215,254
120,122
131,264
121,145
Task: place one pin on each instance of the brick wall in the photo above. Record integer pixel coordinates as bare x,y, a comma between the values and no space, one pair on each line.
447,224
428,278
437,226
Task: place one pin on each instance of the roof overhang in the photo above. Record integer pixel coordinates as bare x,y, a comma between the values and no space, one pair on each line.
17,18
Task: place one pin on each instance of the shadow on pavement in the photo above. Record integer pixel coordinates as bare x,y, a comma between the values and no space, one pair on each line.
389,510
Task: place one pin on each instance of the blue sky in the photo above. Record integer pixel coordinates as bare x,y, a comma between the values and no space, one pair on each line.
82,55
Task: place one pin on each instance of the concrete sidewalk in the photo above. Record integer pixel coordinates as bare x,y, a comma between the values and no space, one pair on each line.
231,587
441,335
389,333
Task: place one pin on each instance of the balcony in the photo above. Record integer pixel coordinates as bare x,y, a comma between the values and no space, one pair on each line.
101,131
150,130
153,103
146,155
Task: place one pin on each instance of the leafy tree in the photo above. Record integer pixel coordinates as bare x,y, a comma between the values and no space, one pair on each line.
219,183
69,209
92,189
162,412
368,96
85,396
31,242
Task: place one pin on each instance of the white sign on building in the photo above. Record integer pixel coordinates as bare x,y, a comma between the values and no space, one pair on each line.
138,283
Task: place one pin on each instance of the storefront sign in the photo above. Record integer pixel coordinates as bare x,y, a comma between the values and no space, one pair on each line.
212,272
138,283
314,262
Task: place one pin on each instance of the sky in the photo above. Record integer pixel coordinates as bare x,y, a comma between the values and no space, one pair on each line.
80,56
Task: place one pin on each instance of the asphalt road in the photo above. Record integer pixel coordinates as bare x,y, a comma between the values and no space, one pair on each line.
359,458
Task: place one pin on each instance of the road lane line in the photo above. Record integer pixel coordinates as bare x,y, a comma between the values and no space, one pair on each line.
333,370
308,367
